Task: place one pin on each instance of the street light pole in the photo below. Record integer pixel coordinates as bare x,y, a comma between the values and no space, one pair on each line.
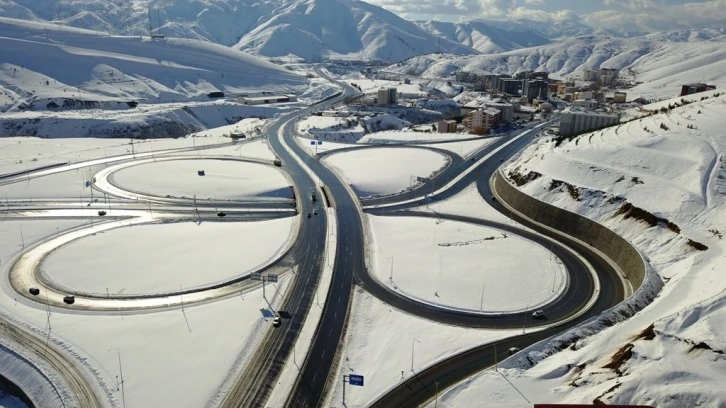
413,340
121,372
481,307
391,277
524,322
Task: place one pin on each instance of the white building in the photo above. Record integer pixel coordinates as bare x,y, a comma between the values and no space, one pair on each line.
387,96
579,122
584,103
506,109
262,100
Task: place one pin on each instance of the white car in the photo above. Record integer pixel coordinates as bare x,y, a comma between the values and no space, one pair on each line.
512,350
538,313
276,321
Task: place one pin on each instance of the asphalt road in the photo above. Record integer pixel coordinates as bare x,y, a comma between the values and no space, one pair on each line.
255,383
422,387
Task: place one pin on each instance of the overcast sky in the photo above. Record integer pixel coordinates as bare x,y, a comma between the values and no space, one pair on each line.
642,15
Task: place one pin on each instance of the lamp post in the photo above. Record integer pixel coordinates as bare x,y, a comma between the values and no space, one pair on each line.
413,341
391,277
121,372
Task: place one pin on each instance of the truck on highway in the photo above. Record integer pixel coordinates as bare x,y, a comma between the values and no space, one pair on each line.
314,198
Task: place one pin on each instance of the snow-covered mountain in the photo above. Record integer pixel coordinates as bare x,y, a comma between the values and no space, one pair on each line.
308,29
655,62
483,37
319,29
43,61
557,29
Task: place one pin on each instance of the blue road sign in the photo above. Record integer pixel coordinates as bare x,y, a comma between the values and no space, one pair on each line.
355,379
320,142
312,142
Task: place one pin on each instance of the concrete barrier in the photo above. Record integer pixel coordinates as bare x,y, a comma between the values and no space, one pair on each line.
619,250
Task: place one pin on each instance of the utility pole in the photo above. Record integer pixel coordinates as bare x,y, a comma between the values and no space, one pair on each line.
121,371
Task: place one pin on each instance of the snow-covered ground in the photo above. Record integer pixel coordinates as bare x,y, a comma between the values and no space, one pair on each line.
463,266
49,62
331,129
162,353
669,354
413,137
382,171
57,81
381,342
464,148
157,258
163,120
256,149
223,179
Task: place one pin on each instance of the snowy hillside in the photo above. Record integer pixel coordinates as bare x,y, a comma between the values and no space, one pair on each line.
660,182
557,29
59,81
307,29
482,37
43,63
659,64
319,29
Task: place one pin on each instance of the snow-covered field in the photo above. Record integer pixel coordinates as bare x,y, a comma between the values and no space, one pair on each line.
464,148
58,81
381,342
161,258
223,179
331,129
46,62
381,171
256,149
161,353
463,266
413,137
669,354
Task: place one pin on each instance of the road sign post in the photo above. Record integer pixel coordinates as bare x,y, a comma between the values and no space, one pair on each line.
352,379
257,276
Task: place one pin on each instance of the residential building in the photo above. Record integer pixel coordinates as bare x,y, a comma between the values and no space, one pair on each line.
523,74
387,96
695,88
604,76
262,100
584,103
587,95
509,86
572,123
620,97
524,113
447,126
493,80
463,76
608,76
506,110
484,120
535,89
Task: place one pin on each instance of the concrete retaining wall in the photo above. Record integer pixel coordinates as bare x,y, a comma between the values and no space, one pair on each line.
606,241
